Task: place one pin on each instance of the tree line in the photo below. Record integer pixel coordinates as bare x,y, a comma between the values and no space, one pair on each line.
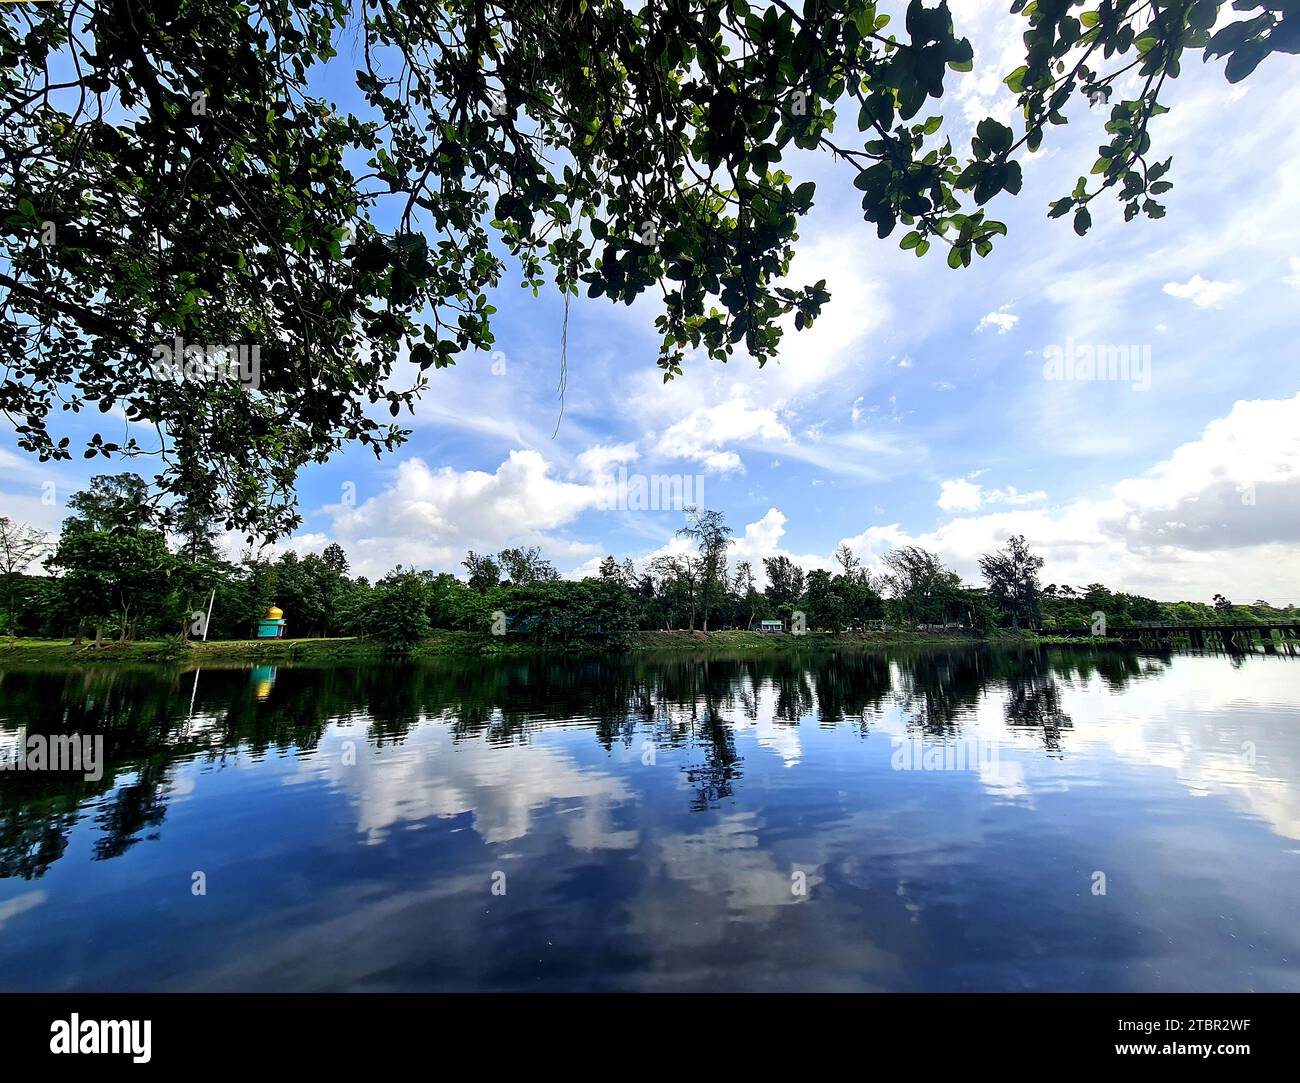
122,568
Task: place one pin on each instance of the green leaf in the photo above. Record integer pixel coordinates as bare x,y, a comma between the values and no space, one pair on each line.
997,137
1244,61
1203,14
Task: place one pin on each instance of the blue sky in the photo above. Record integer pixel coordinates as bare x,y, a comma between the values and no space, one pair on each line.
917,409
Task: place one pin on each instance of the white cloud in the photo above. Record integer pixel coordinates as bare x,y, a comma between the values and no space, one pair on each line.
1181,530
753,543
703,433
1202,292
1220,513
1003,320
962,494
430,517
959,495
1010,495
1293,279
760,538
28,900
715,413
1238,484
598,461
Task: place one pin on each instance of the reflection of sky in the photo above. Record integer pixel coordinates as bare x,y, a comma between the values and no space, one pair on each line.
1200,722
377,874
769,732
429,775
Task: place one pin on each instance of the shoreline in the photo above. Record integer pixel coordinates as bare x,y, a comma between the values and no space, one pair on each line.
477,644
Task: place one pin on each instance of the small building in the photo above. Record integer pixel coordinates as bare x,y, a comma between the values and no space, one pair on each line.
774,627
272,625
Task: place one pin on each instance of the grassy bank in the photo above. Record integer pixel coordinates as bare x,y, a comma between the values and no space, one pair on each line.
174,650
471,644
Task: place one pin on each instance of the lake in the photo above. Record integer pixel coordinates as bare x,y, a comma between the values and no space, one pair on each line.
938,819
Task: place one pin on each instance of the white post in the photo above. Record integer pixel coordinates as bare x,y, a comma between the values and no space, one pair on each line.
207,622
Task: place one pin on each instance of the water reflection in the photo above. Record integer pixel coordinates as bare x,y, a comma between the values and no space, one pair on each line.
680,703
658,810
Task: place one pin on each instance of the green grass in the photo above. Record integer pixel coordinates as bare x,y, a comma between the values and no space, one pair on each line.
174,650
469,644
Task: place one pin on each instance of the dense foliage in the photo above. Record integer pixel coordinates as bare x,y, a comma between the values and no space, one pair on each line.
116,572
174,181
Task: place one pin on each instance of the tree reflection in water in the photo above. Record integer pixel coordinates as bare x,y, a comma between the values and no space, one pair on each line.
153,719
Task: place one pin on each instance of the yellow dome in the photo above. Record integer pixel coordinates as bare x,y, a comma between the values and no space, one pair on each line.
274,613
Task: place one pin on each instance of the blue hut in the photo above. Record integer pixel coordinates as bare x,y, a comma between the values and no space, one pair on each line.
272,625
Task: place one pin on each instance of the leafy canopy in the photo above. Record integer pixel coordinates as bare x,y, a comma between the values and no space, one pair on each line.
173,177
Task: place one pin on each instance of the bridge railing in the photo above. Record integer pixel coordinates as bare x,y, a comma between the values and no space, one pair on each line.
1178,625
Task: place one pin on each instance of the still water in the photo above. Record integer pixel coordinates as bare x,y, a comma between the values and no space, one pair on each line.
933,820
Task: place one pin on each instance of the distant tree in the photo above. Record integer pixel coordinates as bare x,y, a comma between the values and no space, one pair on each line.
352,608
399,609
115,502
525,566
20,546
114,557
484,571
784,581
919,582
826,606
105,572
193,519
305,590
336,560
862,601
677,582
743,585
709,530
850,562
1012,576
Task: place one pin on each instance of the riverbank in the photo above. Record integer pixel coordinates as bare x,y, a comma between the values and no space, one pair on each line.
448,643
174,650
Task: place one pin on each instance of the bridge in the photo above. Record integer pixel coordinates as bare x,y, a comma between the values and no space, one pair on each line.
1226,635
